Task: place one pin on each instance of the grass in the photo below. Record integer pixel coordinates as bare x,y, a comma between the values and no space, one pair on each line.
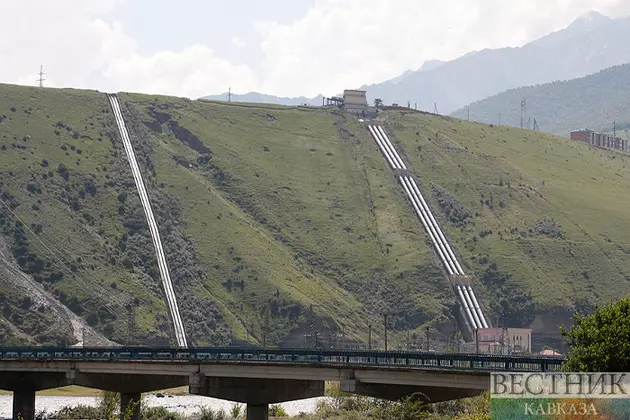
280,218
529,177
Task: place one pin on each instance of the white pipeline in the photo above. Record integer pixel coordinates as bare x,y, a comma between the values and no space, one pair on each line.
437,242
477,307
472,307
382,147
466,308
389,143
443,248
426,227
155,234
390,147
450,252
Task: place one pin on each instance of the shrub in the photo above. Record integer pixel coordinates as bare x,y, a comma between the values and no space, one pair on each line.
549,228
454,209
63,171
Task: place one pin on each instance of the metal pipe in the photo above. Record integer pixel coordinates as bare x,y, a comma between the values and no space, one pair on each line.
389,143
437,241
466,308
477,307
382,147
459,268
426,227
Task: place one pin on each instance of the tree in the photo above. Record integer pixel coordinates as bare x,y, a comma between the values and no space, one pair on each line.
378,103
600,342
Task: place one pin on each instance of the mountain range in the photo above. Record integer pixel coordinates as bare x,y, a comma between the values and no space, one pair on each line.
599,101
591,43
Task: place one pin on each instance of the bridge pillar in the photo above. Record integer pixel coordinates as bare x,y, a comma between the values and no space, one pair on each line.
257,393
24,404
257,411
126,401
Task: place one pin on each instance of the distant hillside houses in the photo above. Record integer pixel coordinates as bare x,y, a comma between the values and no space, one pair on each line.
599,139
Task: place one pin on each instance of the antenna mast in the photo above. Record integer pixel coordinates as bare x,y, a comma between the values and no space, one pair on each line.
41,76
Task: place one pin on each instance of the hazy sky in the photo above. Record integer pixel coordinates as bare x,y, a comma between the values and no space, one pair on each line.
283,47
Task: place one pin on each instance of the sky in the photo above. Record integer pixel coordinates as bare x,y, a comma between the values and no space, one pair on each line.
194,48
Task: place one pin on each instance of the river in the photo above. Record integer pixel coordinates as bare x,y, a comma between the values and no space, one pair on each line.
183,404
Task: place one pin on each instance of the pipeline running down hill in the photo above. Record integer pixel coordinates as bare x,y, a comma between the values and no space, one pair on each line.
465,293
178,327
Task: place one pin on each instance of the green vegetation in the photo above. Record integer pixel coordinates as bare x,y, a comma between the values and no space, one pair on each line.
600,342
544,231
277,221
595,101
338,406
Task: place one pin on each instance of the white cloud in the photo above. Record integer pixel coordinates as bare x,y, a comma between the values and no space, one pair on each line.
80,49
193,72
238,42
62,35
337,45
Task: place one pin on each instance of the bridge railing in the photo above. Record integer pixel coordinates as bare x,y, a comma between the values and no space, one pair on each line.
389,359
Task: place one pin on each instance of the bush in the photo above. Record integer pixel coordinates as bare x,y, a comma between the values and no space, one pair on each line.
549,228
276,410
63,171
454,209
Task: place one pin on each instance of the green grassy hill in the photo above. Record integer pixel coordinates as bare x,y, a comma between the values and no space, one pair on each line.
596,101
540,220
280,221
273,218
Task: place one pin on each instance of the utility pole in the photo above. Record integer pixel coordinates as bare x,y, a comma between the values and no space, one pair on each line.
41,76
477,339
523,111
415,106
230,94
427,333
615,130
499,118
468,112
385,322
435,109
131,332
370,336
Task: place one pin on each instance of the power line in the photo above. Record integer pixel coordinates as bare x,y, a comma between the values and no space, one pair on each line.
63,265
41,76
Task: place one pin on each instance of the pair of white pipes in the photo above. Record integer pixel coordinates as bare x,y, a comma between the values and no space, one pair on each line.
178,326
466,294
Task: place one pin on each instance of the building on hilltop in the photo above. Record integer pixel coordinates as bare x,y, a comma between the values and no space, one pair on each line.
355,102
599,139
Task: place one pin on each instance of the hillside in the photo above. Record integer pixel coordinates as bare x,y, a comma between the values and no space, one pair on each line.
539,219
261,98
288,220
595,102
590,44
271,217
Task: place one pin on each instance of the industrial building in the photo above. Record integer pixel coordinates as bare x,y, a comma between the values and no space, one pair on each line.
504,340
599,139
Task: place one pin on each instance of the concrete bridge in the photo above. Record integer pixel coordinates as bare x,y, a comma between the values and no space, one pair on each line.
256,377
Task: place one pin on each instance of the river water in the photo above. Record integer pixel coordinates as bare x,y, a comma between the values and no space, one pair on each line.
183,404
